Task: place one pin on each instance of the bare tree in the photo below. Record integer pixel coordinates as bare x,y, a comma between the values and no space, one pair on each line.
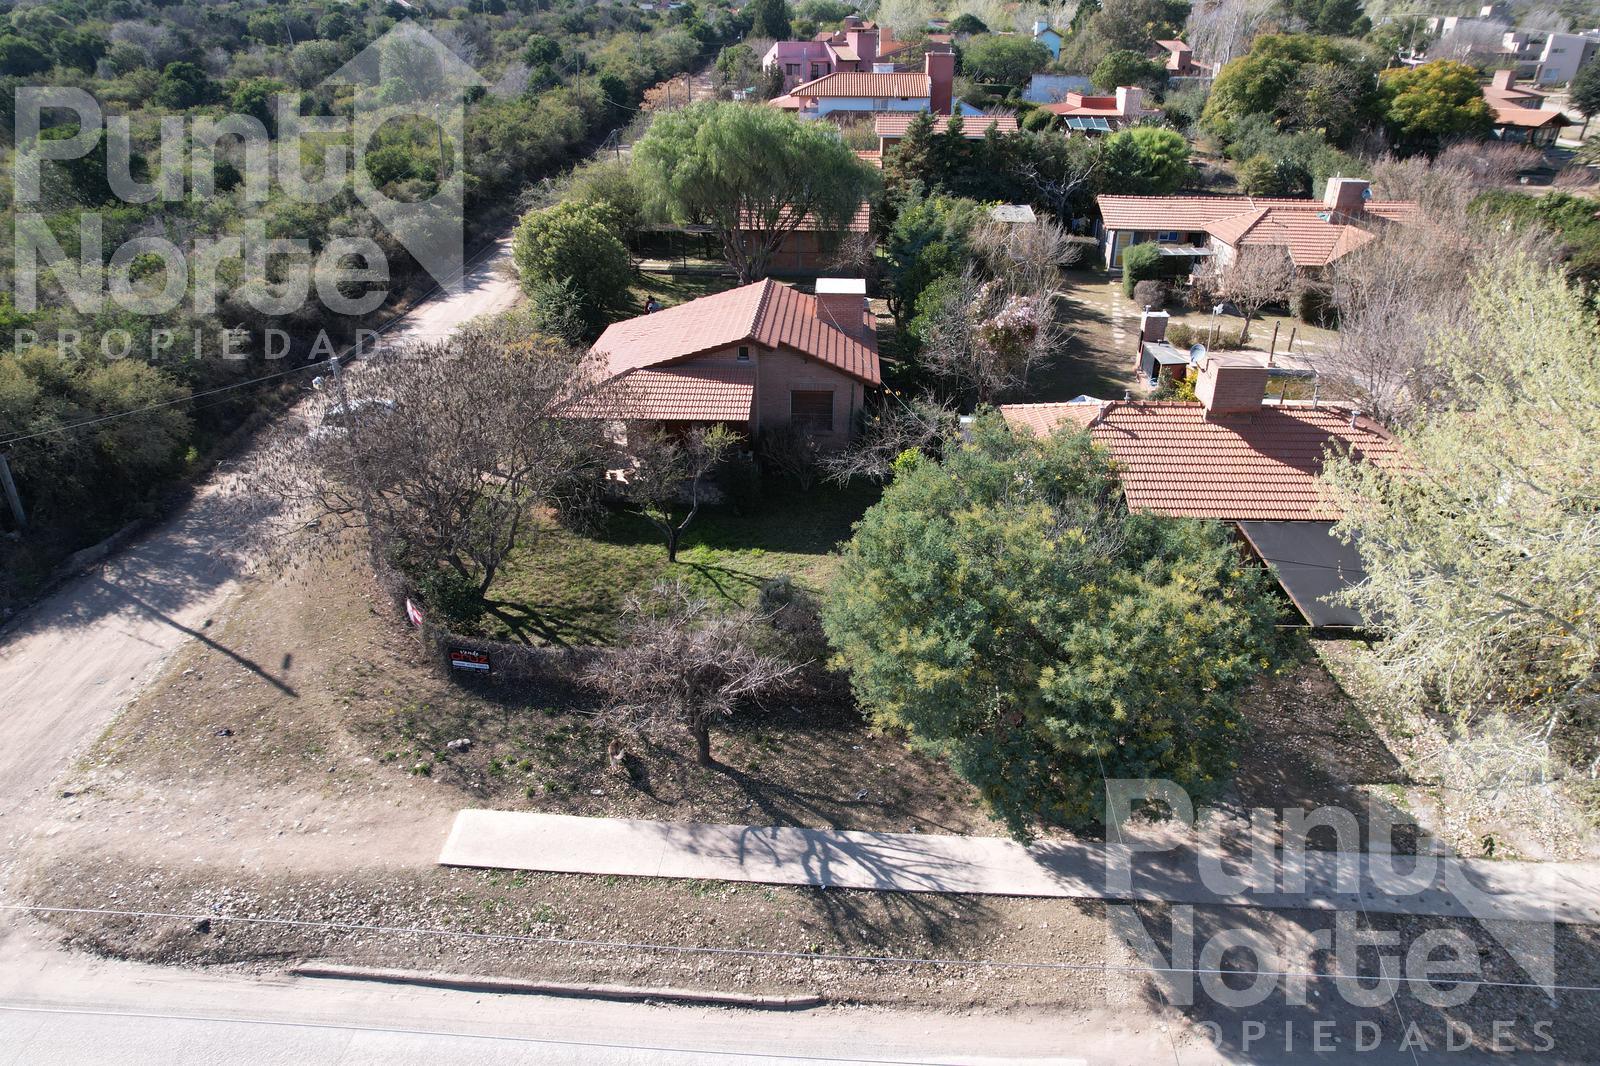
1028,257
679,665
1256,277
1471,39
441,453
666,474
896,428
1221,30
986,339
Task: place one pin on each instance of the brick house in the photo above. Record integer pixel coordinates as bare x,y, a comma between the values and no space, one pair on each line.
1314,233
881,89
813,245
1236,457
757,357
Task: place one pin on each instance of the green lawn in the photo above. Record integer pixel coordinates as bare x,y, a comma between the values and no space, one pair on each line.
567,587
673,289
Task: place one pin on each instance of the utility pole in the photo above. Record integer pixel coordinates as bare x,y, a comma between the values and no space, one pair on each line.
12,496
351,428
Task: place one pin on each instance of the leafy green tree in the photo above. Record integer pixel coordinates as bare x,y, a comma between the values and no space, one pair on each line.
755,173
1422,106
1147,160
738,66
81,49
20,57
770,18
1271,81
911,159
1330,18
1261,175
1143,262
541,51
575,244
1007,611
1006,60
1583,94
929,239
1481,557
967,24
184,85
1124,67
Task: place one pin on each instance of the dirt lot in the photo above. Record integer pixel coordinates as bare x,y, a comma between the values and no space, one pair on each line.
292,765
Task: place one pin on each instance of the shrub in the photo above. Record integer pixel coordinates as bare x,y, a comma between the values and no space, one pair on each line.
1140,263
1312,303
1181,336
792,452
1152,294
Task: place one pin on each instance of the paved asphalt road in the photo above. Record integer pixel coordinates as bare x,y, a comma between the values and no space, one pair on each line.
68,664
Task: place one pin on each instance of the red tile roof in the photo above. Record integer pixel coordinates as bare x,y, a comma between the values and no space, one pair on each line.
1174,460
1296,225
766,313
858,83
973,127
1527,117
860,222
691,394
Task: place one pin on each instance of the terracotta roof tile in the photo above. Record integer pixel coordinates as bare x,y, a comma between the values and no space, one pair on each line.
895,124
859,83
691,394
860,222
765,313
1294,224
1173,459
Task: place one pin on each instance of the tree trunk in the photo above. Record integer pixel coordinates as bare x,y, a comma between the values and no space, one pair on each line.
1244,331
702,743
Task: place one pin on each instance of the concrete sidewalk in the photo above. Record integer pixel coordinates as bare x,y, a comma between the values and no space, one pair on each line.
915,862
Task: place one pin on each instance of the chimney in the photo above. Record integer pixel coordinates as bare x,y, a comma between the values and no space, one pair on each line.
1346,196
1130,101
841,303
941,70
865,44
1233,386
1504,79
1153,327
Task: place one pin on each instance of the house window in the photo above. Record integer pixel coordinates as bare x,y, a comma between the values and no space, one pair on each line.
812,410
1167,236
744,354
791,68
816,70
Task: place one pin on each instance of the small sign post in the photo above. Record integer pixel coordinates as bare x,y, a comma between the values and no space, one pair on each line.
465,659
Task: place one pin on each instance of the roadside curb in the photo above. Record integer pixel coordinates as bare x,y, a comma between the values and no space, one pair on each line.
514,986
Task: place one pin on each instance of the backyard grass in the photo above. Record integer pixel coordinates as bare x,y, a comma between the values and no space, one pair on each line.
674,289
568,587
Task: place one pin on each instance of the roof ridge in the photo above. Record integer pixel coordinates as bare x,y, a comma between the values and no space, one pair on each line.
758,317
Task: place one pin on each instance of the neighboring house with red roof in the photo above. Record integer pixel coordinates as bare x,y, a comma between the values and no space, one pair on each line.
891,127
753,358
812,244
1314,233
1520,115
1237,458
1083,113
845,93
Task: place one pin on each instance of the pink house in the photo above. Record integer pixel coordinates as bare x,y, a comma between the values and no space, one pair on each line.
853,48
756,357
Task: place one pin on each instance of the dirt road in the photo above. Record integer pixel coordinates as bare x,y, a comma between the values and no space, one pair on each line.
70,662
